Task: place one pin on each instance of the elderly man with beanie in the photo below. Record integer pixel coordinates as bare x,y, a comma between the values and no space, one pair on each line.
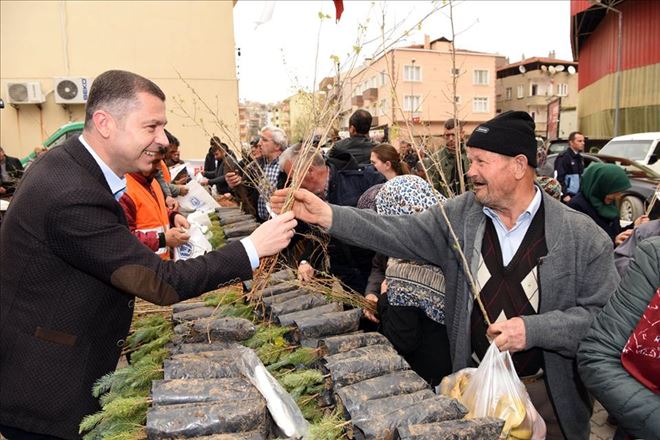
542,270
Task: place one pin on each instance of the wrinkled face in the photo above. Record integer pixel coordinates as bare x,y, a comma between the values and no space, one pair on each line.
315,180
381,167
492,175
138,138
577,144
404,147
268,147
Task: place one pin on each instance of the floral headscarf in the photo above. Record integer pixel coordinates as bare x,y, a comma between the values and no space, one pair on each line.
410,283
407,194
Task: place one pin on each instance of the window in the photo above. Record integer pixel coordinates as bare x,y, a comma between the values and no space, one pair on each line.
509,93
411,103
520,92
480,105
480,77
412,73
533,89
562,89
383,78
383,107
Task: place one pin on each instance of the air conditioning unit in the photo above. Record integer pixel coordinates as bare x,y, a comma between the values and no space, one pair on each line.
74,90
25,92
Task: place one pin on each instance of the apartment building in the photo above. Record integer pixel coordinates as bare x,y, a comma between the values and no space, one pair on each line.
534,84
413,87
253,116
45,47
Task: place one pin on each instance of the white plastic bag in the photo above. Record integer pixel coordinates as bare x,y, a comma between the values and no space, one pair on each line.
281,405
494,390
197,199
196,246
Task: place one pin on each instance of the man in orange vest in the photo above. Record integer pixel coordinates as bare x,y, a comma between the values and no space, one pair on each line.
147,214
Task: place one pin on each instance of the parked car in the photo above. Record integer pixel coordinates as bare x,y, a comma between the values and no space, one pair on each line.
63,133
635,199
641,147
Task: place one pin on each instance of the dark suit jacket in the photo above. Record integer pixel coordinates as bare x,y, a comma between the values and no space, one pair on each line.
70,269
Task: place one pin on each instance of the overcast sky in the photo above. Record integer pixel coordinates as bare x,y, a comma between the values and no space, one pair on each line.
279,57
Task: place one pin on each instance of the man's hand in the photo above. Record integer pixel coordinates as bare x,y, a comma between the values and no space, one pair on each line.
508,335
2,190
306,207
171,203
181,222
176,237
183,190
367,314
566,199
274,235
619,239
233,179
203,181
305,271
641,220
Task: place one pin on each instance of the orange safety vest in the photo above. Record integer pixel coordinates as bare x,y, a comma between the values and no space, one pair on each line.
151,213
166,172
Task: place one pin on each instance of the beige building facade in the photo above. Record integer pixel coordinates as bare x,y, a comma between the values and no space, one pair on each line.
532,84
413,87
44,40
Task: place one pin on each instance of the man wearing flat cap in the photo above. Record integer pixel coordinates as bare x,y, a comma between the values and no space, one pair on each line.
542,270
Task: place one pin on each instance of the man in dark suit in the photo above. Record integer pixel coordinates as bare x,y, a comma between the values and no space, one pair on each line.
11,170
71,268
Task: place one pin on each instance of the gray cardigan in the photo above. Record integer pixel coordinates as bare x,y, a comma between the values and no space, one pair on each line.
577,277
599,359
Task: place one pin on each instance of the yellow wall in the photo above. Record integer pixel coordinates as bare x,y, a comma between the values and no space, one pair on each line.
43,40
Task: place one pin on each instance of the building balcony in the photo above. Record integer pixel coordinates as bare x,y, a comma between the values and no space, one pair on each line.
371,94
357,101
537,100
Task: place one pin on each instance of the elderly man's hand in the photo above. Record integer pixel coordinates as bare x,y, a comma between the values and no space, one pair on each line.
306,207
176,237
233,179
367,314
619,239
508,335
274,235
183,190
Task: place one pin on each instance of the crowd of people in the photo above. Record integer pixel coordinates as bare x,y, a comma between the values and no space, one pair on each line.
457,248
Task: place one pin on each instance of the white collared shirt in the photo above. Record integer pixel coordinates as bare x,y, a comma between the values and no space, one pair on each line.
117,184
510,239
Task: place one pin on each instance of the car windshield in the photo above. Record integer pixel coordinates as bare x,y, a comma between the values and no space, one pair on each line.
633,169
635,150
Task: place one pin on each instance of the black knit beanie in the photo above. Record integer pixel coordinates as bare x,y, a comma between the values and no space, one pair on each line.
510,133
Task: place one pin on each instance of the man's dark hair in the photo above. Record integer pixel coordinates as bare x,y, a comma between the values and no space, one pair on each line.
571,137
171,139
215,141
361,120
115,91
450,124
